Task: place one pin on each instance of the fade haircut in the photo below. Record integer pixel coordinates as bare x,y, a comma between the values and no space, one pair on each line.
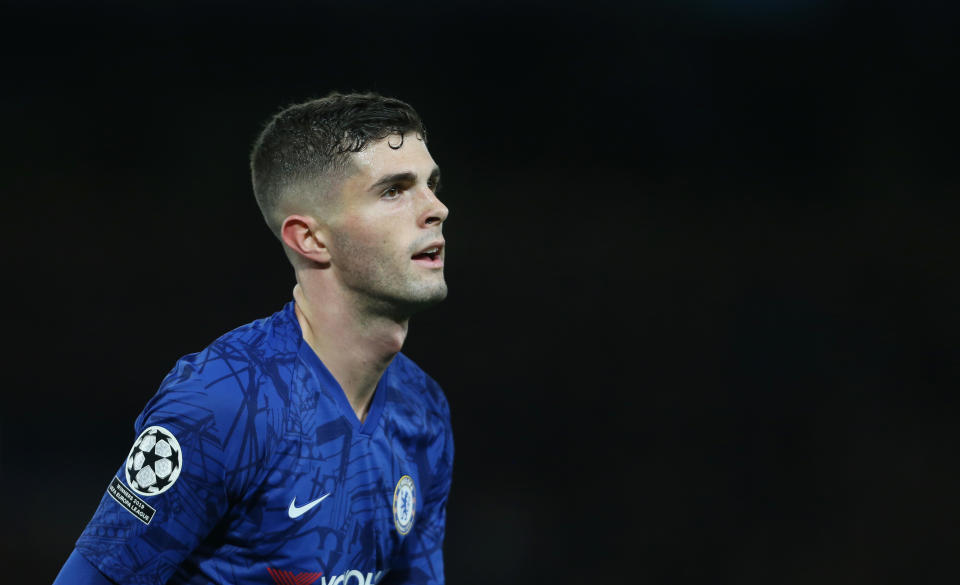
308,142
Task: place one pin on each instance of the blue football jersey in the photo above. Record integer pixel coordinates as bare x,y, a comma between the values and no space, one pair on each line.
250,466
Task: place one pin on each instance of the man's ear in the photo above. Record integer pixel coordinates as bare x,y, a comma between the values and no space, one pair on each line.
302,235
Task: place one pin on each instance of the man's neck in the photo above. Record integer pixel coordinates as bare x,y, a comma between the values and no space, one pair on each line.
355,346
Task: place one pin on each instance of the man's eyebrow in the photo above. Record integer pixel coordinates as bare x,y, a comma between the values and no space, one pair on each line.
404,177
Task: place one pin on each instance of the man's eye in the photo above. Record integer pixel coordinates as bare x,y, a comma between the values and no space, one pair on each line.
392,192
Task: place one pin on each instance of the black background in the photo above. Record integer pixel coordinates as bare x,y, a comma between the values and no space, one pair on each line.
702,261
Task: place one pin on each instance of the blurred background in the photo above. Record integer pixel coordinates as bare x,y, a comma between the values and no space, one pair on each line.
702,257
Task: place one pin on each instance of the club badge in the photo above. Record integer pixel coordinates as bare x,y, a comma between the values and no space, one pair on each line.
404,504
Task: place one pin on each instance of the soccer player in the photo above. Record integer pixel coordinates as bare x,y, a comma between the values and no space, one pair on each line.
303,447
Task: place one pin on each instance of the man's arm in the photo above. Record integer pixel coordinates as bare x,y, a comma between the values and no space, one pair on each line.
190,457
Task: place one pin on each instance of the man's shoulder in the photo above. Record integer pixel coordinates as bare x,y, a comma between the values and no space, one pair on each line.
267,340
254,358
415,388
259,344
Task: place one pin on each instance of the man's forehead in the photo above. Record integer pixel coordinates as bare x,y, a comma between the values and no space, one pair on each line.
392,154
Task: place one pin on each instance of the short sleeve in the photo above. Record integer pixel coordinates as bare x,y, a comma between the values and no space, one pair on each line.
197,447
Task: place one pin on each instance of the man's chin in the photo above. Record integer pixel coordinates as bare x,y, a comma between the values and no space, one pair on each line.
404,307
429,298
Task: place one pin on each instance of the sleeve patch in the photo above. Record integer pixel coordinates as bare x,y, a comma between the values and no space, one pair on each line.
140,509
154,462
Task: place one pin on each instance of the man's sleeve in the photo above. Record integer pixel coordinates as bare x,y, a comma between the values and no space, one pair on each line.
78,571
195,449
423,562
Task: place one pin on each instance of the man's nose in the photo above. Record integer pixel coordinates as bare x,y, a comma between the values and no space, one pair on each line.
435,212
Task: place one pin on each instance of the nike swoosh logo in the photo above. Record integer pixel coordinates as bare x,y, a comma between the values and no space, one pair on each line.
295,512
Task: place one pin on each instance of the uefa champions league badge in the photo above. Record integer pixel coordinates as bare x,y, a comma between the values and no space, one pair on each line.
404,504
152,466
154,463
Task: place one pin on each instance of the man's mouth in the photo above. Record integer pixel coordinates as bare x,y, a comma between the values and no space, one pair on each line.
430,256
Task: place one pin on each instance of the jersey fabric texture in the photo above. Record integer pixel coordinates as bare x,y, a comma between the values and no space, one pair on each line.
270,477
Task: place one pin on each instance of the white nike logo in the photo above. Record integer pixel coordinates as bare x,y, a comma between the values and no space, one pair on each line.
295,512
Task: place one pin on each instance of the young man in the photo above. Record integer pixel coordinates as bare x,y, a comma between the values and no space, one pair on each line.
303,448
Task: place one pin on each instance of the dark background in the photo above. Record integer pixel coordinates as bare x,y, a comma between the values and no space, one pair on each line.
702,261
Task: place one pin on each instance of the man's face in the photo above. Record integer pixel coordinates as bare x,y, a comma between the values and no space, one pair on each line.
385,234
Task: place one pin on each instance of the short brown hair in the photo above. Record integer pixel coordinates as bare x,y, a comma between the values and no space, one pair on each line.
306,141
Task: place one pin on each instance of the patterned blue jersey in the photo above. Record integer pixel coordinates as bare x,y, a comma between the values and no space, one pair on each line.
250,466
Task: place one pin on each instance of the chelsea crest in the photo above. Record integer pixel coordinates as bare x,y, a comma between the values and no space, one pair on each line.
404,504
